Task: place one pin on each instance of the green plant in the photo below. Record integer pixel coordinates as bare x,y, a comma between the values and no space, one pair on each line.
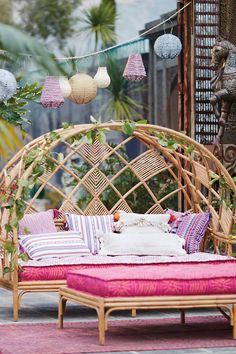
120,106
14,109
49,18
99,22
17,43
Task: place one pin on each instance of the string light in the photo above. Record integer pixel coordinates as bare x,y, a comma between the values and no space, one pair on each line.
116,45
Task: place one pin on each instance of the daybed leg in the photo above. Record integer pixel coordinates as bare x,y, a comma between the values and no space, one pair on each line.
234,321
182,316
133,312
15,305
101,325
61,310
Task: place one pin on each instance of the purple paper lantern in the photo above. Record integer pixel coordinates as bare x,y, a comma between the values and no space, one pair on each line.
134,69
51,95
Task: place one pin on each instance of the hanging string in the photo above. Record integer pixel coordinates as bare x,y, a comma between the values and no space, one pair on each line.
131,41
128,41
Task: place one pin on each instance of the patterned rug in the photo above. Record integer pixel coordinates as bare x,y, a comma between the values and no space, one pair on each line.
122,335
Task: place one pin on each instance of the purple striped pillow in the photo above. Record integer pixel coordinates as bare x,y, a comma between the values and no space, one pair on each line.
37,223
193,228
54,245
179,217
88,226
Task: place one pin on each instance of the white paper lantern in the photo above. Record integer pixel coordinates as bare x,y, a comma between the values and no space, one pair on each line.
8,85
84,88
167,46
64,86
102,78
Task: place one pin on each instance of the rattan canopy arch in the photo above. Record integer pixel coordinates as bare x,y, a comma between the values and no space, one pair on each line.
159,166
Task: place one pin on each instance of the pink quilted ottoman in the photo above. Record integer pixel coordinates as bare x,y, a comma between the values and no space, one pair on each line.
153,286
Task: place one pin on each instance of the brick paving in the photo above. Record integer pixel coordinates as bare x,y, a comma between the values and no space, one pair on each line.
42,307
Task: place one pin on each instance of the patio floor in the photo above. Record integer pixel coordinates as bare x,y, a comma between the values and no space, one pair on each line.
42,307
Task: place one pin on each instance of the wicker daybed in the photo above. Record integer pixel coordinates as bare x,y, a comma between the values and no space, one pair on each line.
192,178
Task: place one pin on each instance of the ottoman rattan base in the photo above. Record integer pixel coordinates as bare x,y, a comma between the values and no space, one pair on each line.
105,305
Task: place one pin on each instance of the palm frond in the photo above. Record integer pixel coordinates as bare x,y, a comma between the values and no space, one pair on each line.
121,106
99,21
18,43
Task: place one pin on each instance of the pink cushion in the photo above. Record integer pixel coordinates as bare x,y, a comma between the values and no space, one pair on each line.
58,272
155,280
37,223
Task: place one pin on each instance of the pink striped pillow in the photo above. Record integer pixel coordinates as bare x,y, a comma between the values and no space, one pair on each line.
54,245
37,223
89,226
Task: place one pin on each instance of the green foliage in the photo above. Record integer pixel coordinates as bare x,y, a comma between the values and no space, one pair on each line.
120,106
161,185
49,18
99,22
129,127
14,110
10,139
16,42
6,11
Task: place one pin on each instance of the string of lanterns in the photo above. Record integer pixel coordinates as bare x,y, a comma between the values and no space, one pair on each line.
81,88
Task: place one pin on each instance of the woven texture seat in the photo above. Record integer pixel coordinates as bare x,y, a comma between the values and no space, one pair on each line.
156,280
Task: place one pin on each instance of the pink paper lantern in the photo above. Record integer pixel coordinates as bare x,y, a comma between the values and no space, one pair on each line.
134,69
51,95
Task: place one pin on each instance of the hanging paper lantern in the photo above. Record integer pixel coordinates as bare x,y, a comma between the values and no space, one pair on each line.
167,46
134,69
8,85
51,95
84,88
64,86
102,78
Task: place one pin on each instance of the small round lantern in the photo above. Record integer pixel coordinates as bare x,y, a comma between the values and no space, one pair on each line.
64,86
167,46
51,95
102,78
84,88
8,85
134,69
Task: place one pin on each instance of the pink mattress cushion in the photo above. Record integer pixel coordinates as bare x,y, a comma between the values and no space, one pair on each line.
56,272
156,279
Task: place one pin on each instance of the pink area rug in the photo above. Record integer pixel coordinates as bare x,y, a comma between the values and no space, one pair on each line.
122,335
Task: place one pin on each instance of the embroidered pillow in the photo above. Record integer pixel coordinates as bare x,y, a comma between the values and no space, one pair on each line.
137,221
88,226
193,228
175,219
138,244
54,245
37,223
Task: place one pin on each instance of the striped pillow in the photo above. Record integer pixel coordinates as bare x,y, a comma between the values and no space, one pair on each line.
176,218
53,245
193,228
88,226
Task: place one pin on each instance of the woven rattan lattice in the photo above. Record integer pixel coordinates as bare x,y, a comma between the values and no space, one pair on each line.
147,172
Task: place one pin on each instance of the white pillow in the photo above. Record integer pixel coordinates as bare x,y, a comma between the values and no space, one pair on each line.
57,244
161,244
128,221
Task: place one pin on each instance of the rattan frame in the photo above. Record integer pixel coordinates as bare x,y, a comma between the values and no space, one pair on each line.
104,306
191,170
